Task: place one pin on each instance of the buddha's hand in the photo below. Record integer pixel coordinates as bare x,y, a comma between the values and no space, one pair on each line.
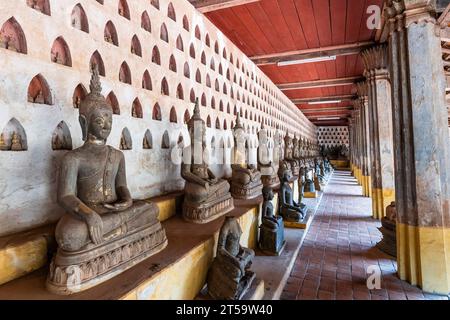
95,226
119,206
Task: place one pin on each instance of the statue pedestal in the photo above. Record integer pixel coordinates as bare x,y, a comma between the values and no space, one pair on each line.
303,224
317,183
208,211
245,192
254,292
388,243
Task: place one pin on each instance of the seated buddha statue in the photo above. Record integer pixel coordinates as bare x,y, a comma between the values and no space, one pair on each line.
288,208
206,197
104,231
230,276
266,166
271,234
245,179
388,243
289,155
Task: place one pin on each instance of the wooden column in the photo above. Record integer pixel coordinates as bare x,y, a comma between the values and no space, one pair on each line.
365,138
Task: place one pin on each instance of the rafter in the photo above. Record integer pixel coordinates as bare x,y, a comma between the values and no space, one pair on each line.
319,83
213,5
340,50
347,97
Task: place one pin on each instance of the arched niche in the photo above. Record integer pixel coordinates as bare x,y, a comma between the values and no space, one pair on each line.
136,109
60,52
125,73
203,100
218,124
155,3
187,116
156,57
13,137
221,106
203,58
79,19
207,40
61,137
12,37
171,12
216,47
172,64
126,143
96,60
39,91
186,23
208,121
186,70
208,81
145,22
192,51
220,69
136,47
225,127
111,99
225,90
217,85
147,142
165,141
123,9
164,87
110,34
180,92
197,33
213,103
198,76
164,34
156,113
79,94
180,45
147,81
192,96
173,115
212,64
42,6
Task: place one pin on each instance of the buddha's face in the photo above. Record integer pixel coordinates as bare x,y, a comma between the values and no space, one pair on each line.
100,123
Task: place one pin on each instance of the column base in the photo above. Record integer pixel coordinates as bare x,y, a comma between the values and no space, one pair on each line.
366,182
423,257
381,198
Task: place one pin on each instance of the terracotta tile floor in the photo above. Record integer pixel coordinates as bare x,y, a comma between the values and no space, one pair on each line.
339,247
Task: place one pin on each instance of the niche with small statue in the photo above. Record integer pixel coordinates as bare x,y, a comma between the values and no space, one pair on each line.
60,52
125,140
42,6
39,91
79,94
12,37
61,138
13,137
148,140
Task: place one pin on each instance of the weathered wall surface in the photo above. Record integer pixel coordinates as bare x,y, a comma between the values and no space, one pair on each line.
28,178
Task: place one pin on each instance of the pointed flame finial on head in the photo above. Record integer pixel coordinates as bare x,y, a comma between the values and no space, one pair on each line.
95,86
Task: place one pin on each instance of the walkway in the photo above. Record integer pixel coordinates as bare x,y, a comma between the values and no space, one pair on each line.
339,247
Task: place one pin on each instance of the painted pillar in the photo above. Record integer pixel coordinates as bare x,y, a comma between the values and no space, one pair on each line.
380,122
351,143
421,148
365,138
358,143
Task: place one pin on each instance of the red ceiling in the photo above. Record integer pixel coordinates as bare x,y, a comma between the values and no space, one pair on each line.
275,26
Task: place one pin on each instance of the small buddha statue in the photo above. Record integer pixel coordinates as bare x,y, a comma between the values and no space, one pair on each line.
230,276
54,57
39,98
288,208
245,179
104,231
388,243
271,234
269,176
146,144
3,145
289,155
3,42
206,196
77,102
57,144
16,142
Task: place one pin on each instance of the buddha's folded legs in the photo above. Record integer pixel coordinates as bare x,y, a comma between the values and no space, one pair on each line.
72,234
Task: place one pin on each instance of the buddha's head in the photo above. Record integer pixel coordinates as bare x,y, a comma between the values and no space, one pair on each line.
267,193
95,112
286,176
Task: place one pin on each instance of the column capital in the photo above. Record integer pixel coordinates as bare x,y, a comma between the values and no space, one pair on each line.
402,13
363,91
375,61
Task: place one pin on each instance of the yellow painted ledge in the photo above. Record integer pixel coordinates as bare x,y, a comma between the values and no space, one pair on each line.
340,164
423,257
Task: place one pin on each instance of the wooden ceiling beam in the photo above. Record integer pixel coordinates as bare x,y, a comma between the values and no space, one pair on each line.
319,83
214,5
340,50
347,97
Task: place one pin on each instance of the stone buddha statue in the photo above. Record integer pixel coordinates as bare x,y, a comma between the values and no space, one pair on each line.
104,231
388,243
206,197
3,145
269,176
245,178
284,165
289,155
230,276
16,142
288,208
271,234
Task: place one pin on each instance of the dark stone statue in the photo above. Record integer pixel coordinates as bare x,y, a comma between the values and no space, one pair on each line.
246,179
271,231
288,208
230,276
206,197
104,231
388,243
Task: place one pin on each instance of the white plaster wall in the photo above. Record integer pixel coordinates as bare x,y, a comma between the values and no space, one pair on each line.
28,179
